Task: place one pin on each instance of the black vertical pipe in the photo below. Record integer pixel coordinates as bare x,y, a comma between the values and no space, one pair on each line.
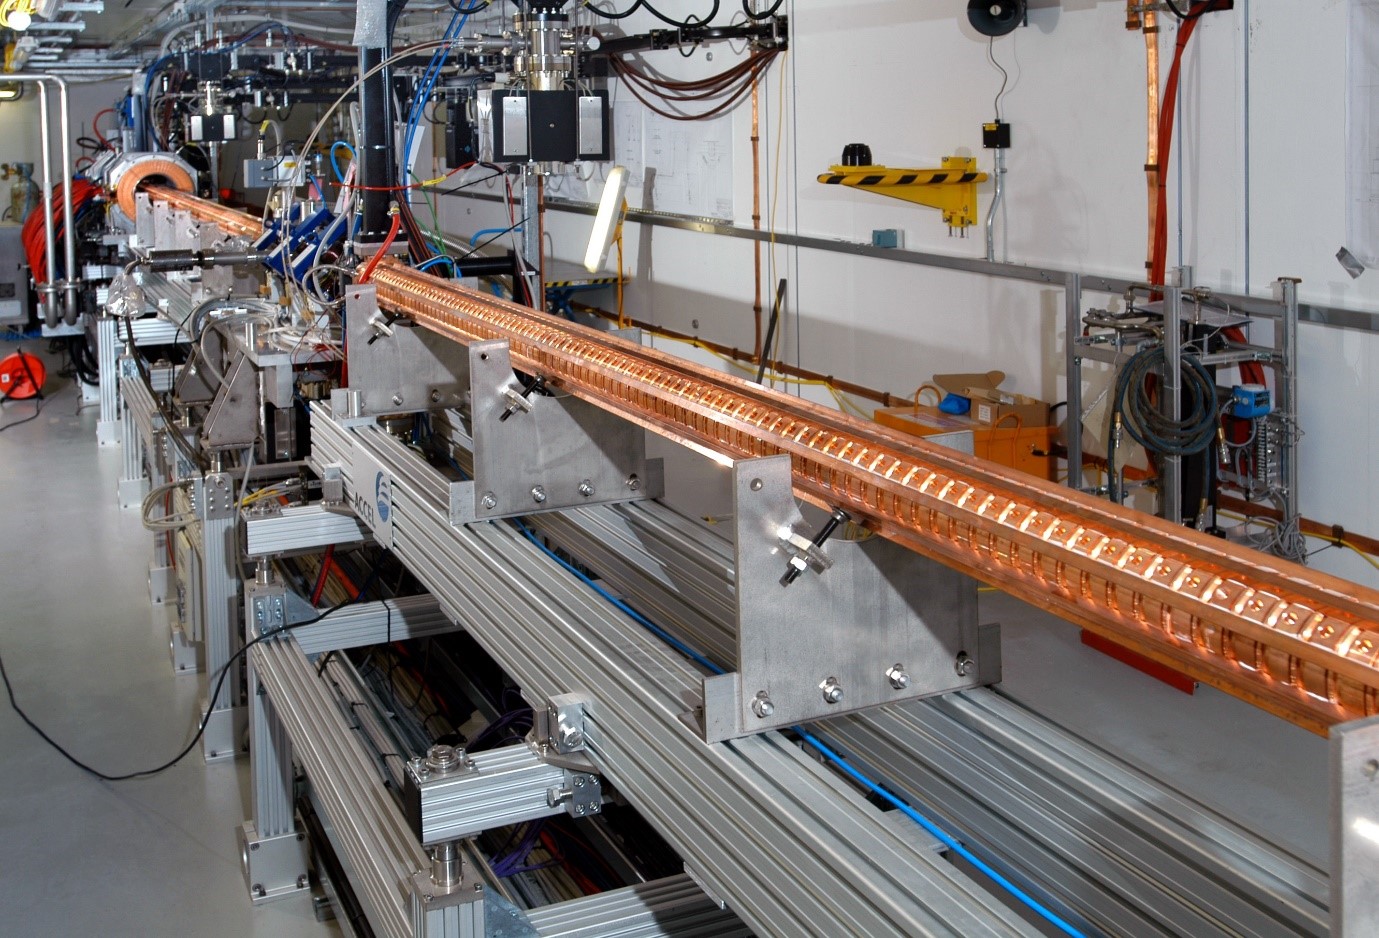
376,159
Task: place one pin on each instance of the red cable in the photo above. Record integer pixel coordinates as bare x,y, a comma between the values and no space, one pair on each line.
382,249
321,579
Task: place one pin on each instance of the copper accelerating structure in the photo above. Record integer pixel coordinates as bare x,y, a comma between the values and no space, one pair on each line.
1293,641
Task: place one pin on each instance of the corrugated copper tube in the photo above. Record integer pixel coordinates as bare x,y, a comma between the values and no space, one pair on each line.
1291,640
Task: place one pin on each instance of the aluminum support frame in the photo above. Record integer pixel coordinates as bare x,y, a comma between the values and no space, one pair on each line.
1354,828
1097,838
213,496
790,847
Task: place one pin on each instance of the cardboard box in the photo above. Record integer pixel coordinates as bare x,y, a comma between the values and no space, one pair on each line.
992,406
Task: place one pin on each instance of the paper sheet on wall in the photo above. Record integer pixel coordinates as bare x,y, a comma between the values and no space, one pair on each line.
1362,133
691,162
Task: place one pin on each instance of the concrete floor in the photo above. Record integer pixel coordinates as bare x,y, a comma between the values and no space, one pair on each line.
157,856
152,856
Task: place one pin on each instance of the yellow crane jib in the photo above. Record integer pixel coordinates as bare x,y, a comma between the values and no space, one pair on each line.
952,188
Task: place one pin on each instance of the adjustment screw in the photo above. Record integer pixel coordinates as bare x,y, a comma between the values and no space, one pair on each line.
832,690
489,501
762,706
586,488
964,665
538,494
898,676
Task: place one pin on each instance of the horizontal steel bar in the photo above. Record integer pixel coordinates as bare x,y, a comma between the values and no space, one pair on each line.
282,529
673,907
496,788
375,623
762,824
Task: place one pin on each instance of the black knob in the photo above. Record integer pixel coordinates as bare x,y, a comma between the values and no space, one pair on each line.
857,154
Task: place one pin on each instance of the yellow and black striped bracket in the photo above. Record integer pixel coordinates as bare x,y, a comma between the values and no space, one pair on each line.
900,177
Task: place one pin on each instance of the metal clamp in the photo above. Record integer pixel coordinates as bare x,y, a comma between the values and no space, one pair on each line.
806,554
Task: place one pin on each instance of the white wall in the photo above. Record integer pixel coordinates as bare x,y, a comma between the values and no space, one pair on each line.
912,80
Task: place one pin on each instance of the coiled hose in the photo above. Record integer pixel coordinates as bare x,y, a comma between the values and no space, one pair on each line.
1134,409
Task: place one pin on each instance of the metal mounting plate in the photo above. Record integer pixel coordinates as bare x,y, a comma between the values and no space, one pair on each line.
233,419
1354,827
403,372
562,453
878,607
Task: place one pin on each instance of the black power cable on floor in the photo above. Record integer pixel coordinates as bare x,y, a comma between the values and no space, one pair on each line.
201,728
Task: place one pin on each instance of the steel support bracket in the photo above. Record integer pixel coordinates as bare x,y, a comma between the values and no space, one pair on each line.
1354,828
233,419
876,624
400,371
534,452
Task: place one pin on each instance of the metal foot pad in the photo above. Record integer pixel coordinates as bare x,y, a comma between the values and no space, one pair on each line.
182,651
131,492
224,729
273,866
107,431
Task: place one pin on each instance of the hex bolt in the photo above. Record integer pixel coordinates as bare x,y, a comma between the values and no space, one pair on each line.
397,399
489,501
965,665
798,563
633,482
538,494
586,488
762,706
258,890
898,676
832,690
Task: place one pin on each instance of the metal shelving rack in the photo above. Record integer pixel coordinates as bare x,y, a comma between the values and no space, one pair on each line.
1183,304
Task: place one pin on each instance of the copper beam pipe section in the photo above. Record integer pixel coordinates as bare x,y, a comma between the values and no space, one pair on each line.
228,219
1150,25
1296,642
1293,641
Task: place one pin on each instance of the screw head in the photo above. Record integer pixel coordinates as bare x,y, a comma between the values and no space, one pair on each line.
898,676
435,397
964,665
489,501
1371,768
633,482
301,881
762,705
755,485
258,890
397,399
253,846
538,494
586,488
832,690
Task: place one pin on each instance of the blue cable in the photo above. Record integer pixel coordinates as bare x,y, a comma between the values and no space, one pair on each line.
339,176
433,70
636,616
483,231
848,768
436,260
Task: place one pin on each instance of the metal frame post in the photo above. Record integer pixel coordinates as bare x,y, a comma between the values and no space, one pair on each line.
214,495
272,851
1072,321
1354,828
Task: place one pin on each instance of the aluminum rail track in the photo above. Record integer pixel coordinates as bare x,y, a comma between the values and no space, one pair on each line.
1293,641
1108,846
791,847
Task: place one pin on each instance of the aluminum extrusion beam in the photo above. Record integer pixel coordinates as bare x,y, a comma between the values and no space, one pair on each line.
673,907
1107,844
375,623
496,788
790,846
366,820
1293,641
299,528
